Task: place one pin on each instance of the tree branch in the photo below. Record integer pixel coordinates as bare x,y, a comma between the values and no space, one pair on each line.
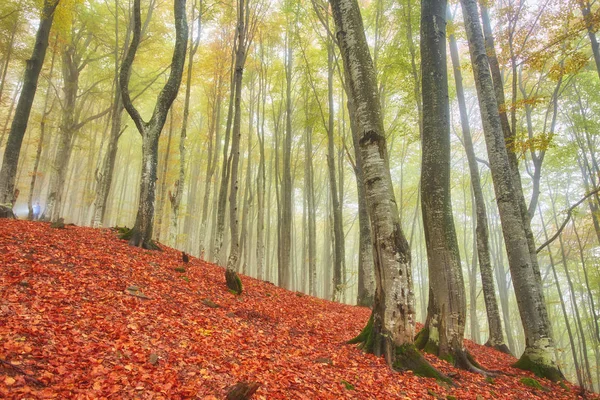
566,221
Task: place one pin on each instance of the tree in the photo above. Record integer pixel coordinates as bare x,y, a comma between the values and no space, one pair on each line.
390,330
12,151
496,338
141,234
444,328
539,355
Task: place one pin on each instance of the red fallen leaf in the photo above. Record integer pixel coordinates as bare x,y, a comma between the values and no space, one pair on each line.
77,340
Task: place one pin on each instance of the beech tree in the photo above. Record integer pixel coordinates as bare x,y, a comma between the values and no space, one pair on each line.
390,330
141,234
539,355
8,172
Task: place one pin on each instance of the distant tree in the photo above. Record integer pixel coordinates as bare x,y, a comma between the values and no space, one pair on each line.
12,151
141,234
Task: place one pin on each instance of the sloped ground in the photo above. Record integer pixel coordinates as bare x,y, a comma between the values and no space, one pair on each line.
69,328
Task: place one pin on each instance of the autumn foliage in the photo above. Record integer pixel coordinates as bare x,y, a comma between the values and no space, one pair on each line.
84,315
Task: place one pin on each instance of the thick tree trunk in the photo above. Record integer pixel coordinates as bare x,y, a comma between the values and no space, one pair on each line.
390,331
496,338
444,328
12,151
366,273
539,355
141,234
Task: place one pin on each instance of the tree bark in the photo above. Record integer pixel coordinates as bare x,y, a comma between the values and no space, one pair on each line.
390,330
141,235
539,355
496,338
12,151
177,194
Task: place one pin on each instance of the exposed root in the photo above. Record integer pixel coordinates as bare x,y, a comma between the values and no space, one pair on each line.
402,358
460,358
134,236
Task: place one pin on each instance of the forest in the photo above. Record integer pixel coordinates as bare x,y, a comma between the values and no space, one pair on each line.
434,161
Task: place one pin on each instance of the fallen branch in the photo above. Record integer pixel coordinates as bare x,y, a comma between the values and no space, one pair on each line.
566,221
22,372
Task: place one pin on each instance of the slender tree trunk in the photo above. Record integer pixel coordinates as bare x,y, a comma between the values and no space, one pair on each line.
539,355
233,281
141,234
285,224
160,208
8,54
38,153
177,195
12,151
495,339
563,307
338,230
261,177
585,8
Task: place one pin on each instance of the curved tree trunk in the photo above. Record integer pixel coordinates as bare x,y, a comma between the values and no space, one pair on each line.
12,151
141,234
539,355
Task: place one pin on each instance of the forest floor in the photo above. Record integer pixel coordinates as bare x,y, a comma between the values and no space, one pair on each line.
71,328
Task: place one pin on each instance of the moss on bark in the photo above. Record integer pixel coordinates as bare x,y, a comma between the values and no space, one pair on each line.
543,371
234,283
406,356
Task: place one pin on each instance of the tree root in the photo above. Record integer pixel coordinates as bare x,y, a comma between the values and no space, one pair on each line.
404,357
460,358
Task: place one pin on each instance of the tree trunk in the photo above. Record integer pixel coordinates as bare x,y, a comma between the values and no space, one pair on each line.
338,230
390,330
163,180
233,281
444,327
141,234
12,151
562,306
539,355
285,224
261,177
177,195
495,339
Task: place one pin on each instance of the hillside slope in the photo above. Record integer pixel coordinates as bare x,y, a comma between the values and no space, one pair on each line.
70,328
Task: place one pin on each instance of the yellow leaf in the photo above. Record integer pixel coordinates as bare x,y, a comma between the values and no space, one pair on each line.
8,381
